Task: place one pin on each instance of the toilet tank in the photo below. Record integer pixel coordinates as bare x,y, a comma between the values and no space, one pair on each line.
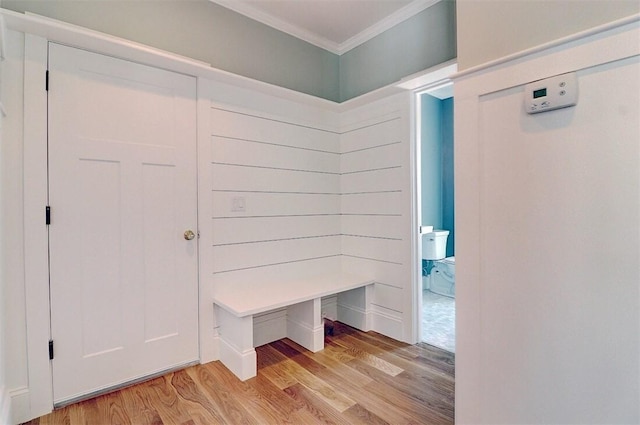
434,245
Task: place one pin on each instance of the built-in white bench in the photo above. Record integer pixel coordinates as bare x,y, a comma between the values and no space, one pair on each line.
236,305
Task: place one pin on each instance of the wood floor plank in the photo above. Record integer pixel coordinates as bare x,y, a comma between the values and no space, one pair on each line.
318,408
359,378
137,401
358,414
197,401
334,360
375,404
112,406
172,408
418,406
221,395
356,351
334,398
266,406
418,371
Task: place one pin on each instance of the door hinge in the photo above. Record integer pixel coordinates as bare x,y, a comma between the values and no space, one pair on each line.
47,214
50,349
46,81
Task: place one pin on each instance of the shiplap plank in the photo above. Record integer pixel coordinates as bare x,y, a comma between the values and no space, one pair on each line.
373,135
277,273
387,273
388,296
225,177
379,180
373,203
239,151
379,249
228,231
273,204
233,257
373,158
243,126
380,226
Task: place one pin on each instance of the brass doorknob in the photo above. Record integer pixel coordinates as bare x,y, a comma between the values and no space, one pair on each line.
189,235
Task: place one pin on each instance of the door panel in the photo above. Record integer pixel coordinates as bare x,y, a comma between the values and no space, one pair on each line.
122,184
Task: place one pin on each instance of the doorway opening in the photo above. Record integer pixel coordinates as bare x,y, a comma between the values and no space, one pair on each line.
436,215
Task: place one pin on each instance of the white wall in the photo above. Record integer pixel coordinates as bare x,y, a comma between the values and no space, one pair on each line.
548,247
12,241
5,401
491,29
281,161
322,192
377,207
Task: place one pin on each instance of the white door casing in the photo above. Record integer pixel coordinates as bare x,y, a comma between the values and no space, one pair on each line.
123,190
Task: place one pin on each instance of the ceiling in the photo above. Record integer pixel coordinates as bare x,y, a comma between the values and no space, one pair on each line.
334,25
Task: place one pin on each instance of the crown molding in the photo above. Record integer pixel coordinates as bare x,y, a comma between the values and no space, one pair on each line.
286,27
387,23
378,28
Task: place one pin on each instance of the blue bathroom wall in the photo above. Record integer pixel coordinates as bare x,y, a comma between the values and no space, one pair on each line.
437,184
431,165
448,205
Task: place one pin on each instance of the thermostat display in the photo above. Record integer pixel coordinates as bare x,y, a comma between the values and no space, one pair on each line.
552,93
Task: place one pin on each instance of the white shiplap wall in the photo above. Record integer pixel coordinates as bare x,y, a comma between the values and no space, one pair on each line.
282,162
287,175
320,194
376,207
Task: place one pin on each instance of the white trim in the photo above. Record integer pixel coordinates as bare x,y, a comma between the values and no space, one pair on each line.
209,345
35,231
430,78
439,78
362,37
3,38
620,23
5,406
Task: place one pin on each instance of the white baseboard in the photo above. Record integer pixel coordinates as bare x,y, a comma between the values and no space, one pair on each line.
269,327
387,322
5,406
20,400
310,337
242,364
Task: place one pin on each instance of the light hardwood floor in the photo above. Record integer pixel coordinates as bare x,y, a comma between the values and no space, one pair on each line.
359,378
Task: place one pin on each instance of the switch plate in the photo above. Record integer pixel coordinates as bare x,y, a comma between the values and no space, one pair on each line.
551,93
238,204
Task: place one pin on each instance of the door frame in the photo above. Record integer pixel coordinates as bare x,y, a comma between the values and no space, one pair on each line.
37,398
437,78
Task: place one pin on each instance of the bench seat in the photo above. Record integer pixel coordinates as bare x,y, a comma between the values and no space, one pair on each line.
236,305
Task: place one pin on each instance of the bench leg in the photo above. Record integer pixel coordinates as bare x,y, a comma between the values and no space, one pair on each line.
236,344
304,324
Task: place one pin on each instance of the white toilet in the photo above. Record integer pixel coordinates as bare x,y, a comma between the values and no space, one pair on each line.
441,279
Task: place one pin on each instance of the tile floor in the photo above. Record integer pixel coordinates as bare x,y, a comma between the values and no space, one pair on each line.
438,321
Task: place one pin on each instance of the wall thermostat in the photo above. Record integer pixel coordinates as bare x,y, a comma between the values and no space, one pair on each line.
551,93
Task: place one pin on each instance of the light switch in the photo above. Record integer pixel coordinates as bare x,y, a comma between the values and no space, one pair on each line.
238,204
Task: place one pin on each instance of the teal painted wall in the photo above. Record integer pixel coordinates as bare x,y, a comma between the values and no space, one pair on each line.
425,40
205,31
436,154
431,164
448,198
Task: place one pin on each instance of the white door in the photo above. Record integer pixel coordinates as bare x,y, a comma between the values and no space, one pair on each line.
122,190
